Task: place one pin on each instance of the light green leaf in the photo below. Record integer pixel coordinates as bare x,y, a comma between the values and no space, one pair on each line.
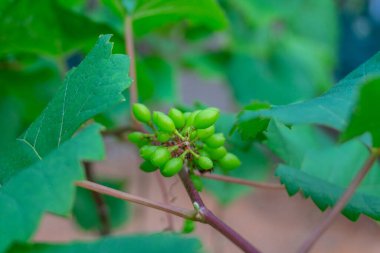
43,163
331,109
366,115
156,243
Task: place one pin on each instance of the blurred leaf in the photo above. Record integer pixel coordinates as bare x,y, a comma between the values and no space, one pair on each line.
331,109
156,80
45,28
84,207
45,160
155,243
281,52
366,115
153,14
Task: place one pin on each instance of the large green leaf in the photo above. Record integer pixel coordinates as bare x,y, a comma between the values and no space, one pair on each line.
366,116
156,243
44,28
151,14
43,163
331,109
322,170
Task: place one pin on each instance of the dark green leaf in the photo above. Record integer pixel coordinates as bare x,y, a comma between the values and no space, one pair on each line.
366,116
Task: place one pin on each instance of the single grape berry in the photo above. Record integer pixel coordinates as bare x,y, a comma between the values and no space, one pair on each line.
188,226
147,151
191,117
197,182
215,140
141,113
172,167
229,162
216,153
177,117
137,138
205,133
163,137
160,156
206,118
205,163
147,166
163,122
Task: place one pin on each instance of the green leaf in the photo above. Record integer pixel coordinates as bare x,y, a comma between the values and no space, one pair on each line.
281,52
156,80
331,109
46,28
84,206
366,115
155,243
42,165
153,14
322,170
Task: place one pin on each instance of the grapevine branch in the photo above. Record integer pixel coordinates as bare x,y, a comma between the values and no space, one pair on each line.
181,212
101,207
211,219
233,180
322,227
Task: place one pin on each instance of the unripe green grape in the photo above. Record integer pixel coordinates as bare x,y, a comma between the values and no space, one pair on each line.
147,166
206,118
215,140
141,113
136,138
172,167
205,163
177,117
188,226
147,151
193,135
190,119
216,153
229,162
205,133
163,122
197,182
163,137
203,152
160,156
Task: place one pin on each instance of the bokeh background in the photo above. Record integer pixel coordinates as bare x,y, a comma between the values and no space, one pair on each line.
275,51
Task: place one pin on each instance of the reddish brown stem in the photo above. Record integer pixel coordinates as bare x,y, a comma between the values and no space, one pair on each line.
101,207
213,220
272,186
326,223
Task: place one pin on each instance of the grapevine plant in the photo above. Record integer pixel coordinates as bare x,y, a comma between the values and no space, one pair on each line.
65,88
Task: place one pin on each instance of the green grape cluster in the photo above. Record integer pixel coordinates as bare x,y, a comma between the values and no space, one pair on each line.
179,138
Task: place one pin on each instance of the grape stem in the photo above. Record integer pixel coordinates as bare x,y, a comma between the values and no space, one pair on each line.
193,153
179,135
178,211
211,219
263,185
